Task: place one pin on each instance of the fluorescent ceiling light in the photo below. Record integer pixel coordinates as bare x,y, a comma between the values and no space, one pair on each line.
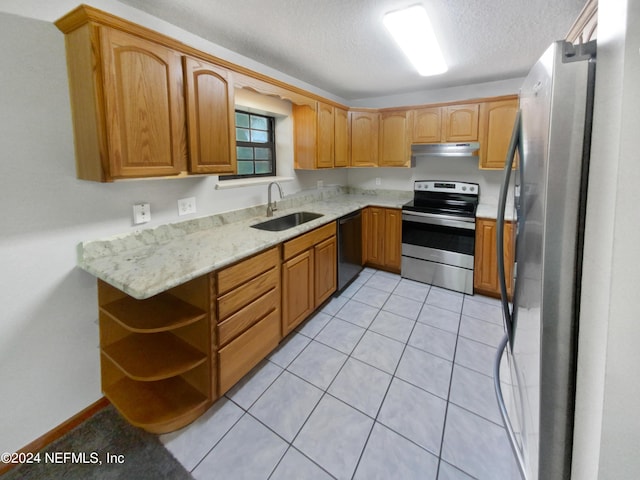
412,30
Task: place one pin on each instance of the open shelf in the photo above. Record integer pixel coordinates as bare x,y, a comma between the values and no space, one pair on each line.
150,357
156,314
158,407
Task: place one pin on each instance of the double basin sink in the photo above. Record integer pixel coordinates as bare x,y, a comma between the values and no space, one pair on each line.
287,221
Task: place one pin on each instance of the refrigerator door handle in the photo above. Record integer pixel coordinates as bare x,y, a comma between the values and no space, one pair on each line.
502,203
503,408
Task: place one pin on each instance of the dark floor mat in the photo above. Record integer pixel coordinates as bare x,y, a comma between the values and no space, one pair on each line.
106,432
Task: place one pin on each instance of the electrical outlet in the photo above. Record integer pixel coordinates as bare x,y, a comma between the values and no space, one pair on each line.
141,213
320,183
378,181
187,206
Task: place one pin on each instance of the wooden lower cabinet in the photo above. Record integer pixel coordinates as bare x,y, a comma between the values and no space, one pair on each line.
309,274
485,277
166,359
325,269
382,238
248,313
244,353
298,288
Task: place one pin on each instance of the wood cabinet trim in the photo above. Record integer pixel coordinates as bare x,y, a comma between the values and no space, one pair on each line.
84,13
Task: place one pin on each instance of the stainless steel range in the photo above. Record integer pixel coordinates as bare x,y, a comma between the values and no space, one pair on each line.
438,234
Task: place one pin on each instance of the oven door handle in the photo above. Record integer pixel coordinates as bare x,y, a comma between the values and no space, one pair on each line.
443,220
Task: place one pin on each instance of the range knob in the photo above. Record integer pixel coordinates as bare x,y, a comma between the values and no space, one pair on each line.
473,189
464,189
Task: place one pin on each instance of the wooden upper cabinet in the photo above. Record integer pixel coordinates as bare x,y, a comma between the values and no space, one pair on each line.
210,117
426,125
325,136
394,139
313,136
143,108
364,138
497,120
341,138
461,122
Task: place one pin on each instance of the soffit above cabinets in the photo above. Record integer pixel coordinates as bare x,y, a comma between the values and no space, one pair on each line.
344,49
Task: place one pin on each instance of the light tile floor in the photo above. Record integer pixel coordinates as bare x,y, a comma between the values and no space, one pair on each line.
390,380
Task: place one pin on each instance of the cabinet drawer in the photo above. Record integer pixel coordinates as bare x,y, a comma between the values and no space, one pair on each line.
242,354
243,319
238,274
308,240
240,297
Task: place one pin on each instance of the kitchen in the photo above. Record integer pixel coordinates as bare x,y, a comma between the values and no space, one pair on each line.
49,335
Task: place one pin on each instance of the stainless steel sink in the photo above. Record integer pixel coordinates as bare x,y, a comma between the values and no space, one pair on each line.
288,221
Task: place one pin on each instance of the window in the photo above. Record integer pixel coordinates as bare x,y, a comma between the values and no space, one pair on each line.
255,146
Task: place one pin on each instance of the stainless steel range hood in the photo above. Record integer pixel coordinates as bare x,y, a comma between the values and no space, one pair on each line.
422,150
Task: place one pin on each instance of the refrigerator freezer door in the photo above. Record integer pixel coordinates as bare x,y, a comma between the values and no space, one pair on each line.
553,103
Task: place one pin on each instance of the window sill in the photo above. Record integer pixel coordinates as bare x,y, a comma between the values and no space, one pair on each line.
247,182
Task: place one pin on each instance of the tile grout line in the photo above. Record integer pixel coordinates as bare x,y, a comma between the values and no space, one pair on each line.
375,420
325,391
446,410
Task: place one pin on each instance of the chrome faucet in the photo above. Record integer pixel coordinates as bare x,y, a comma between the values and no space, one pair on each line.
272,207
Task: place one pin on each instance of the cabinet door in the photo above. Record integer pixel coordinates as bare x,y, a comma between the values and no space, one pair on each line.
498,119
325,136
144,106
485,275
364,139
375,236
341,138
210,118
392,239
427,125
461,123
325,266
297,290
305,129
394,143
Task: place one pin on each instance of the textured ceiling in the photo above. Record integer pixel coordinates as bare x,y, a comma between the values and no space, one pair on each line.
342,47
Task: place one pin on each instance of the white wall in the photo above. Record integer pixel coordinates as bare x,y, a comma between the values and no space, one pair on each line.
49,365
607,431
460,169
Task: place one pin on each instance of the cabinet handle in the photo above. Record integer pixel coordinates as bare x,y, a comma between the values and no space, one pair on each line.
503,408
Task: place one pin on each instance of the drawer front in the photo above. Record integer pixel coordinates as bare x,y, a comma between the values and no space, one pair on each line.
242,296
246,317
308,240
244,353
238,274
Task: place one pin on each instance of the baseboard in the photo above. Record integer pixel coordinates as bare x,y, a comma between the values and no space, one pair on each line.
54,434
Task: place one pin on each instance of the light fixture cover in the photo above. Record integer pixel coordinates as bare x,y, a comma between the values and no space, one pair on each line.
411,29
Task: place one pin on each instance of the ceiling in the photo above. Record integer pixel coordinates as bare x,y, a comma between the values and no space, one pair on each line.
342,47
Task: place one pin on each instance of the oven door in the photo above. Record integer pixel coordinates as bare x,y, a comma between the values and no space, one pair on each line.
437,238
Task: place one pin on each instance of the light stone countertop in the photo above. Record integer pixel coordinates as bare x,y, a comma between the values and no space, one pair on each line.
149,262
490,211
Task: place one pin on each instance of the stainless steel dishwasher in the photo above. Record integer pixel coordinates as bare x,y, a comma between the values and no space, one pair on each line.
349,248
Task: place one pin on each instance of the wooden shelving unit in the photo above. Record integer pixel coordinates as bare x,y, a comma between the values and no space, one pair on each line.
153,357
156,354
158,407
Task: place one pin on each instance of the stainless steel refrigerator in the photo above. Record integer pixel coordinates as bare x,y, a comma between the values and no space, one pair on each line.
535,368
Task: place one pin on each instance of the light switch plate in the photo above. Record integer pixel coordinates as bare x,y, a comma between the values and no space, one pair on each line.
141,213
